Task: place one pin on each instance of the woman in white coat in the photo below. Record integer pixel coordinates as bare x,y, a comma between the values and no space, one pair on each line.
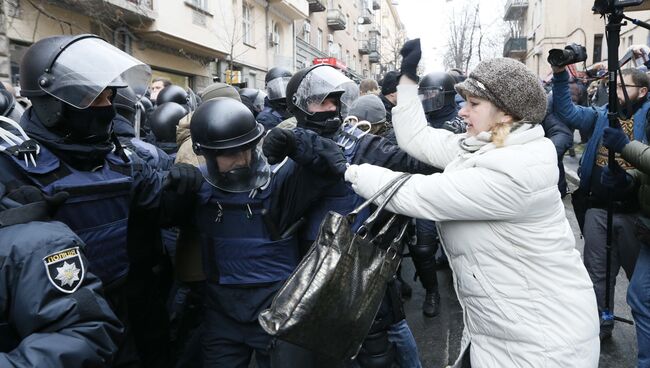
526,297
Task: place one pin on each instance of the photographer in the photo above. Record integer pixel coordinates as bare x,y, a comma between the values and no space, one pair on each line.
638,297
633,116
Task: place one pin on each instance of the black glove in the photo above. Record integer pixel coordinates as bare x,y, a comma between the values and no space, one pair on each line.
278,144
411,54
27,194
184,178
333,155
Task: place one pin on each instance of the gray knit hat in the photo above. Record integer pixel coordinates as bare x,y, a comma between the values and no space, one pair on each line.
510,86
219,89
369,108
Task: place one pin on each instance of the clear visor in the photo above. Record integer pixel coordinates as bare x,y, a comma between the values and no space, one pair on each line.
259,101
78,75
432,99
316,86
241,179
277,88
349,96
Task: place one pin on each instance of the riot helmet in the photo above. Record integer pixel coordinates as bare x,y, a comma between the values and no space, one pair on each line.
7,101
125,103
164,119
173,93
64,75
436,90
224,131
256,97
308,89
350,95
276,81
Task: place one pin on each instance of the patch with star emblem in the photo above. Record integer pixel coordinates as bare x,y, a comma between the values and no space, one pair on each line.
65,269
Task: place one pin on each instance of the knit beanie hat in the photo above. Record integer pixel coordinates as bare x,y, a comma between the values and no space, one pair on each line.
219,89
510,86
390,82
369,108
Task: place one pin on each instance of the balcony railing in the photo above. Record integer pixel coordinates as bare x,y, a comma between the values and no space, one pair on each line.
366,16
316,6
373,44
374,57
336,19
515,9
515,47
364,48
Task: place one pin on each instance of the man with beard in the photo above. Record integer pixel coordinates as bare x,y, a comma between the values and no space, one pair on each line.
633,115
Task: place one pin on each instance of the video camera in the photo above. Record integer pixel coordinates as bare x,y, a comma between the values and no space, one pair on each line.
608,6
571,54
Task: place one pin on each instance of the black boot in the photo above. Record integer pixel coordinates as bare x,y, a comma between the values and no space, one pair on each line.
431,305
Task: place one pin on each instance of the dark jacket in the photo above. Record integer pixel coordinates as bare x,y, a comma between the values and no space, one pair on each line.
562,138
40,325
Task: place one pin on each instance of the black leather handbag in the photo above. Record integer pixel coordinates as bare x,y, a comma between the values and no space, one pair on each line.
330,301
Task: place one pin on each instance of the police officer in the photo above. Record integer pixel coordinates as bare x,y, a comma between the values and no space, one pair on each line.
436,91
8,105
163,122
253,99
52,312
275,106
247,214
70,125
314,98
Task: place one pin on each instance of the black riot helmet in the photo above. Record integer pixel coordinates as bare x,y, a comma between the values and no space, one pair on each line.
63,75
225,127
255,96
164,119
276,81
172,93
7,101
309,88
436,90
125,103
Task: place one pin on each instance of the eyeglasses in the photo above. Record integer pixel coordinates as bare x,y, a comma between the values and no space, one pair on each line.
620,86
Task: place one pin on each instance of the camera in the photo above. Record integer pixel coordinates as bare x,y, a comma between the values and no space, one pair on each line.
608,6
571,54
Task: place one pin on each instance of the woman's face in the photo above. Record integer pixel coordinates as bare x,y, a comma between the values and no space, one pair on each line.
480,115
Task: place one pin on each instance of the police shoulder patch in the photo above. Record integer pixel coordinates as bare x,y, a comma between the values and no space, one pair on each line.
65,269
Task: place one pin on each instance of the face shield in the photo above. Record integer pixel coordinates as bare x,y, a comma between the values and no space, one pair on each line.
318,85
277,88
432,98
238,179
348,97
88,66
259,101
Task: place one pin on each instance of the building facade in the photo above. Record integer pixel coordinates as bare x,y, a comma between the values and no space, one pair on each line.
194,42
538,26
351,35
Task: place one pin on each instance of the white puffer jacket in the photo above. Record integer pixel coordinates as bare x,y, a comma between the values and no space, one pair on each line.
527,299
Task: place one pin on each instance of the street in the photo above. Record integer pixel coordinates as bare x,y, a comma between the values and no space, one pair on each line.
438,338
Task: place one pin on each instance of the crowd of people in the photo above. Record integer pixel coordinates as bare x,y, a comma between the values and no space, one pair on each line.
145,225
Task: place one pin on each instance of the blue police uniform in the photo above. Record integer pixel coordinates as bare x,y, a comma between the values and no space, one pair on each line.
52,313
248,250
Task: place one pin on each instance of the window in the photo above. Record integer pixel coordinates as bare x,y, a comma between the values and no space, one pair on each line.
354,62
347,58
598,48
319,39
307,32
247,24
123,39
199,4
630,41
276,38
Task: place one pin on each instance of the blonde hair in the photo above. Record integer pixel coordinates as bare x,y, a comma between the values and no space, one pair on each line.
499,133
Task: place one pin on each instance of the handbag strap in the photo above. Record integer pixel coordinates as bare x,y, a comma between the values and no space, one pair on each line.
392,188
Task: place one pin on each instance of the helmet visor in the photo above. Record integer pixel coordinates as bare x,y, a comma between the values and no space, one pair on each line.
348,97
316,86
432,98
237,180
277,88
78,76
